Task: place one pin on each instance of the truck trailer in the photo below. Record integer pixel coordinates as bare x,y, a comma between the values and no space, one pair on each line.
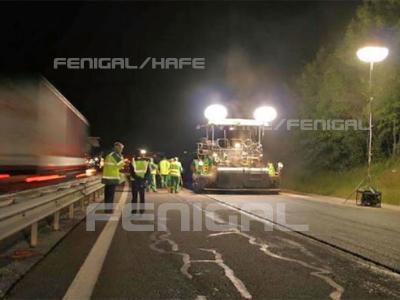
41,131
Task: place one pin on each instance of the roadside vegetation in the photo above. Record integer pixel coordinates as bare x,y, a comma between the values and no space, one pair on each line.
335,86
343,183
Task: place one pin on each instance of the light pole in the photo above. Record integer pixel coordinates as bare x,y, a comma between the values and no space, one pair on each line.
371,55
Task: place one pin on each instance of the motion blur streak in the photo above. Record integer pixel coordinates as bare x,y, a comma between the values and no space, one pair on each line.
44,178
81,175
4,176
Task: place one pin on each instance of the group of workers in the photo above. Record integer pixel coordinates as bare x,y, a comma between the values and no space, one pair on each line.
170,172
142,173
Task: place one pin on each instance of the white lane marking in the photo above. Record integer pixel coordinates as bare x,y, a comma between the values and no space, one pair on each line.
239,285
85,280
156,240
318,272
187,261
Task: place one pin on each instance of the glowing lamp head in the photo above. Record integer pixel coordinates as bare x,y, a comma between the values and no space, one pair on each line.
215,113
143,151
372,54
265,114
238,146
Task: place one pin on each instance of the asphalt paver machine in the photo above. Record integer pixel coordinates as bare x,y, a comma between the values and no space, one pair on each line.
230,158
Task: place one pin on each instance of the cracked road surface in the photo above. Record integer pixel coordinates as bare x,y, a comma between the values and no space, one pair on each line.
226,261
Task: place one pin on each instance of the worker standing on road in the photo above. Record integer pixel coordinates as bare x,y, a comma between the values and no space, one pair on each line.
153,172
175,170
164,172
181,168
113,163
140,175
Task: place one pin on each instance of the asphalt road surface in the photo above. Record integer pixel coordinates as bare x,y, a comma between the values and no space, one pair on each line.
226,253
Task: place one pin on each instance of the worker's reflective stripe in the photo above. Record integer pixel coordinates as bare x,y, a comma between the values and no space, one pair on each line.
111,177
118,158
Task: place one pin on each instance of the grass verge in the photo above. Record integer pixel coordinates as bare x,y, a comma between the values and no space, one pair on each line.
386,177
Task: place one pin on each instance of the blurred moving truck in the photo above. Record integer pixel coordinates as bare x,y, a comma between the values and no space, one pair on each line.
41,131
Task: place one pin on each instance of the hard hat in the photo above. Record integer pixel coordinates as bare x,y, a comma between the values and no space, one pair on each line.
119,144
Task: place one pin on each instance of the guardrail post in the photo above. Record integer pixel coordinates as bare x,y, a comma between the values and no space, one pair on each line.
56,221
71,211
83,203
34,234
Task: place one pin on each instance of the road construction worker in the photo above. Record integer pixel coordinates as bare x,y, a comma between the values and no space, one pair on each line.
197,166
153,172
175,170
271,169
113,163
169,182
180,164
140,176
164,171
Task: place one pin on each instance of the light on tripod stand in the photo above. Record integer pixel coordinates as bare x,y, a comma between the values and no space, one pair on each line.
371,55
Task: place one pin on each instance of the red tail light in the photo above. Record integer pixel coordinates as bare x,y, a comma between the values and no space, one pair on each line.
4,176
43,178
80,175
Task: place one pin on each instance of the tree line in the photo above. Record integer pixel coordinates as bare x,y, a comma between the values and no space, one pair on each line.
335,86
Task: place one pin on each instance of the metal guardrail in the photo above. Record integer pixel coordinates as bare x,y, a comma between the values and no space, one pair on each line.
27,208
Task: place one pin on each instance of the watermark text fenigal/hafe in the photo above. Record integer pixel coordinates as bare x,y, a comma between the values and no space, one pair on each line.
126,63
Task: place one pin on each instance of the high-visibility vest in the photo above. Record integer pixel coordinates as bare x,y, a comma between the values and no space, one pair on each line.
197,166
271,169
164,167
140,167
153,168
112,164
175,169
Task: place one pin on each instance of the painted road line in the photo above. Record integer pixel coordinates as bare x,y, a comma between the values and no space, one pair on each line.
85,280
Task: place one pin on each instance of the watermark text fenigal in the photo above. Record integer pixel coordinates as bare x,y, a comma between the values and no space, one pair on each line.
318,124
126,63
192,217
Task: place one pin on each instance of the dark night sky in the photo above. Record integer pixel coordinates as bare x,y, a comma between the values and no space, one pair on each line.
253,51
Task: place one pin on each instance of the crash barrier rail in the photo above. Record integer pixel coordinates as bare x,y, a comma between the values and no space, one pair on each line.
27,208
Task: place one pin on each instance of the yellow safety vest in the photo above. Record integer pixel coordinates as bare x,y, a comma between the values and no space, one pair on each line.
164,167
112,164
153,168
140,168
271,169
175,169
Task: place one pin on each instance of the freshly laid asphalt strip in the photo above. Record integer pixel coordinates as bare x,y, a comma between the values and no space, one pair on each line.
176,264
